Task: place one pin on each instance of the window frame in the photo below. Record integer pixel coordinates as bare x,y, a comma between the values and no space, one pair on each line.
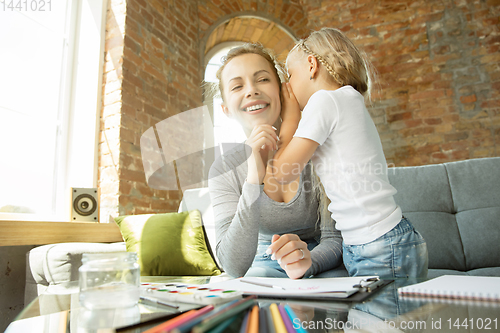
221,48
80,94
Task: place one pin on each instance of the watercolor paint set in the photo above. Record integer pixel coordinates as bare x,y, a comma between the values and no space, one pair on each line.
185,293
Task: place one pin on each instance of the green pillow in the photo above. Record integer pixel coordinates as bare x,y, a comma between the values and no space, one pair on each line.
168,244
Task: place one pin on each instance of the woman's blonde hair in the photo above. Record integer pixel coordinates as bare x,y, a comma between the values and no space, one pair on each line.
252,48
345,63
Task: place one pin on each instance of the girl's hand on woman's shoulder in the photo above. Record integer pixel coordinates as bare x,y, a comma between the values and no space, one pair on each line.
292,254
290,109
290,116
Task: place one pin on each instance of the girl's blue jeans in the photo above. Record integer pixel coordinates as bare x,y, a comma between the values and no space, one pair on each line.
400,253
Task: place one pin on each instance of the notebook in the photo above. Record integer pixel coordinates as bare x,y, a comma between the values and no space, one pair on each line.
475,288
341,287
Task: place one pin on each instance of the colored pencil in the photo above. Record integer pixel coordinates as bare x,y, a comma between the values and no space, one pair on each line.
244,324
279,325
256,283
168,322
158,301
270,321
228,312
294,319
222,326
286,320
186,327
253,320
262,320
185,319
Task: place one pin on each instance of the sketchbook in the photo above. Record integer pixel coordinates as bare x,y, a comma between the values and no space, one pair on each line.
315,288
460,287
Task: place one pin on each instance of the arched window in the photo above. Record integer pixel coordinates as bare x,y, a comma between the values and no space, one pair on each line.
226,130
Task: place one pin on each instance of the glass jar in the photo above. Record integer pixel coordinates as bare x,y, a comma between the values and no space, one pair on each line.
109,280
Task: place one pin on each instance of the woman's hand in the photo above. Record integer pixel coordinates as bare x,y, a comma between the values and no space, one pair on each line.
292,254
262,140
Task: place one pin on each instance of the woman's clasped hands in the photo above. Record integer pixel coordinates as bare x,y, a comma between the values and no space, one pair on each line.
263,137
291,253
262,141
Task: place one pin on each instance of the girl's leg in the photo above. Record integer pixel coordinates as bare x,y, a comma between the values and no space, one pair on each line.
402,252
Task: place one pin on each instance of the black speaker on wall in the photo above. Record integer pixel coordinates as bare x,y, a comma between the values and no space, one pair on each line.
84,204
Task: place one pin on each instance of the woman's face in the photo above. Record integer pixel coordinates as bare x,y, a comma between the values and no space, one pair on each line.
251,91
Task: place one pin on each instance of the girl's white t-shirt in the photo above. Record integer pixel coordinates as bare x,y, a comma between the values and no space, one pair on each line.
351,164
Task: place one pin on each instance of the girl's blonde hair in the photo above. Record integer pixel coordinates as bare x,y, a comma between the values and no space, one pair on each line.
345,63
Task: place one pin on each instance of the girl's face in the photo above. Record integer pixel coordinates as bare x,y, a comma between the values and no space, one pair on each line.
251,91
298,75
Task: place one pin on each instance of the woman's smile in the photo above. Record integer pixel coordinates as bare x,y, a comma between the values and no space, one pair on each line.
255,107
252,91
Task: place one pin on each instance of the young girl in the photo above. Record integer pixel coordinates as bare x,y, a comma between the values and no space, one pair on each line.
329,76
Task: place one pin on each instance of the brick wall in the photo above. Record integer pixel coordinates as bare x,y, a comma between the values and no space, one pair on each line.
152,72
438,93
437,96
288,15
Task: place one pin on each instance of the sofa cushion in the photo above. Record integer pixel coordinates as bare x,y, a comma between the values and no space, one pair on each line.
433,273
425,198
474,183
54,267
422,188
480,234
455,207
487,271
200,199
168,244
442,236
475,187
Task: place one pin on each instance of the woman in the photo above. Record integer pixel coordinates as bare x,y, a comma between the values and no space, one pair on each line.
253,213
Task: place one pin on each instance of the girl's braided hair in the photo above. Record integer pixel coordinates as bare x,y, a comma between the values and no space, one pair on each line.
345,63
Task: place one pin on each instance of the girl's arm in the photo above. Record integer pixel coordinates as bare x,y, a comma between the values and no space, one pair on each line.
291,159
293,153
290,115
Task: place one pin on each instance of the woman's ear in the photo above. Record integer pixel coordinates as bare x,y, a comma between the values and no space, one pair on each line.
225,110
313,65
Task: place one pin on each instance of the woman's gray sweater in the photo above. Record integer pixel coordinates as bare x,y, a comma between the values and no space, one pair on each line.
245,215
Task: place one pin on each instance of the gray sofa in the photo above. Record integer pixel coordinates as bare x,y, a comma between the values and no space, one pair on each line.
456,207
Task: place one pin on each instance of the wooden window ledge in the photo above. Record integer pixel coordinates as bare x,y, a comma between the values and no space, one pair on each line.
40,233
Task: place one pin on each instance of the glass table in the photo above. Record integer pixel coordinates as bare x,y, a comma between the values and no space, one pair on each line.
384,311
